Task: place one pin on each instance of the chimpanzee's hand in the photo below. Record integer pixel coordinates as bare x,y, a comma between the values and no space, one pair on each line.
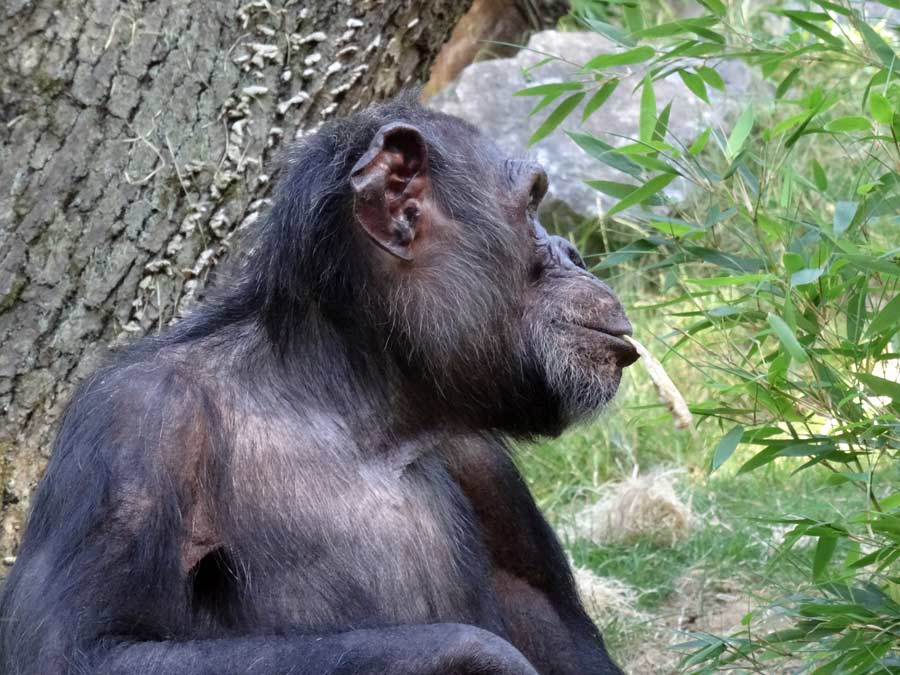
474,651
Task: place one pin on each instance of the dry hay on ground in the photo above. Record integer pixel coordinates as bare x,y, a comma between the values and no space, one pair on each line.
604,597
641,508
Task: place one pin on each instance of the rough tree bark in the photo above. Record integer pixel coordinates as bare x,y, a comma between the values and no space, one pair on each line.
135,140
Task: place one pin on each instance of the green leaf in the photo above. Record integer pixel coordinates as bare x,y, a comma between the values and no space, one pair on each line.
548,89
543,103
711,77
761,458
787,338
870,264
726,447
648,189
876,43
726,260
819,176
614,33
615,189
653,164
831,6
700,142
626,58
812,29
887,319
857,311
695,83
604,152
599,97
555,118
824,552
730,280
674,229
881,386
804,15
647,121
740,132
676,27
849,123
843,216
801,130
717,7
786,83
634,19
633,250
662,124
806,276
880,108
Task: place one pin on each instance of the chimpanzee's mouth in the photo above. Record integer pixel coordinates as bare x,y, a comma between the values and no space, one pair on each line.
625,353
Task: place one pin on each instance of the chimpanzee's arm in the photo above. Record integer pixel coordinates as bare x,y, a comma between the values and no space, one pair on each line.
534,583
435,649
100,585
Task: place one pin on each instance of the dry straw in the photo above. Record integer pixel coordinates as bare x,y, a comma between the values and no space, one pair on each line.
666,389
641,508
604,597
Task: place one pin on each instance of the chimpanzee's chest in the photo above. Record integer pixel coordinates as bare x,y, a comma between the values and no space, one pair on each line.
383,544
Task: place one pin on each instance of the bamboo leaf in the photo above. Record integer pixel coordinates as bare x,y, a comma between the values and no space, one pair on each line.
849,123
700,142
711,77
726,447
740,132
599,98
786,83
843,216
819,176
647,190
647,121
543,103
881,386
876,43
887,318
677,27
880,108
626,58
548,89
824,552
717,7
806,276
555,118
604,152
695,83
787,338
812,29
662,126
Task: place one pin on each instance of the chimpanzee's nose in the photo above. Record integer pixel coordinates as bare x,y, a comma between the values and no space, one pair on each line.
566,253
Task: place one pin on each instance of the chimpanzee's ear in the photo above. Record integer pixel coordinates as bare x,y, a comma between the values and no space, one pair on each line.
390,180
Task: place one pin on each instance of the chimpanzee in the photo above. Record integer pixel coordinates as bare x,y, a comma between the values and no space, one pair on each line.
309,474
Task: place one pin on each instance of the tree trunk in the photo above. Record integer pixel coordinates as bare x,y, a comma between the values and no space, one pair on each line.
135,140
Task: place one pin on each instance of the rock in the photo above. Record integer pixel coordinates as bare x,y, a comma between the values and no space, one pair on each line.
483,95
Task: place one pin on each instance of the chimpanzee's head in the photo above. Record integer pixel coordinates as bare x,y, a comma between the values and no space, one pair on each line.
435,251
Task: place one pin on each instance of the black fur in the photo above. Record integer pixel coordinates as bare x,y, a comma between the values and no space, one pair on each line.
307,474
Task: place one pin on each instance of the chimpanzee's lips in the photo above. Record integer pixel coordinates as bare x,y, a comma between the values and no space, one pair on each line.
625,353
